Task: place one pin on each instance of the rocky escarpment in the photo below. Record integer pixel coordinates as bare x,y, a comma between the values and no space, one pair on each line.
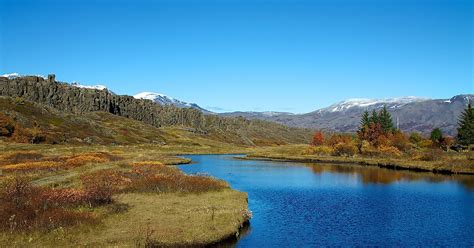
69,99
64,97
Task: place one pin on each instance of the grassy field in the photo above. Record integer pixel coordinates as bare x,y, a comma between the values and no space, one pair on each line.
448,163
113,196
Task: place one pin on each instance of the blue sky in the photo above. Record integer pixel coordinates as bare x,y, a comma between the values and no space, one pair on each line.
227,55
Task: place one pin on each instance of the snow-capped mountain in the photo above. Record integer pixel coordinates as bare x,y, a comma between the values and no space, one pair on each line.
390,103
413,114
166,100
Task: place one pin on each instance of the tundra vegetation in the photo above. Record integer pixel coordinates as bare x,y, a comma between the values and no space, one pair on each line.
111,196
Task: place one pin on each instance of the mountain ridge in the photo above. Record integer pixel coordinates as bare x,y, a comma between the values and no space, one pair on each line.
68,99
413,114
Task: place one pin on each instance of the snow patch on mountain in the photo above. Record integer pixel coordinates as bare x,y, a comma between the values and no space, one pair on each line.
163,99
275,113
10,75
94,87
17,75
392,103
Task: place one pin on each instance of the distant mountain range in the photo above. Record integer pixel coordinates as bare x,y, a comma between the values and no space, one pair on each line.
409,113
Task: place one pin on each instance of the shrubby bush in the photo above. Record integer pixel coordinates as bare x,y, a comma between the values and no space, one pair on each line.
26,207
345,149
390,151
318,150
400,141
7,127
415,138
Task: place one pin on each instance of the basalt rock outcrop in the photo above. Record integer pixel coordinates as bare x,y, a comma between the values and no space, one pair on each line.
70,99
65,97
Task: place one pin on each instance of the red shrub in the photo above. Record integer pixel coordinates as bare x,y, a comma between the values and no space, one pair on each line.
318,139
25,207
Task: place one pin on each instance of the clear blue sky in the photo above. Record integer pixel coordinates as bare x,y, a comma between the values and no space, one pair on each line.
290,55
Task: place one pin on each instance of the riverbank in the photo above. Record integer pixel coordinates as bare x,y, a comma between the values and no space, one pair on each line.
155,204
452,165
146,220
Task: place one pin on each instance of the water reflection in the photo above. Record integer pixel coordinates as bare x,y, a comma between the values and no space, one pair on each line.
376,175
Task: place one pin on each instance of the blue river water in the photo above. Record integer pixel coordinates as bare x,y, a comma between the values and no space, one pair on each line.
296,205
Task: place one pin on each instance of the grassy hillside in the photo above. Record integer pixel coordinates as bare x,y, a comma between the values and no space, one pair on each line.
67,99
105,128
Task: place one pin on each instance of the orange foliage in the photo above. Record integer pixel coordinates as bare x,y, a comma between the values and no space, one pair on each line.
390,151
339,138
31,161
345,149
29,166
7,126
400,141
32,135
84,159
318,139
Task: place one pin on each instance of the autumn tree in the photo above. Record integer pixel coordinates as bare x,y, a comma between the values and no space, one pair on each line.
466,126
318,139
378,124
6,125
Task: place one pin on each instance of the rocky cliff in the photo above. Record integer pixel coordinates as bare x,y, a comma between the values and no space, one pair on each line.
69,99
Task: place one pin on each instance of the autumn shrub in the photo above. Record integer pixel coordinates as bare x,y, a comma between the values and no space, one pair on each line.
24,207
369,150
400,141
447,142
415,138
318,150
151,177
64,197
83,159
91,157
345,149
381,140
32,135
336,139
55,218
22,156
390,151
32,166
100,186
431,154
162,183
318,139
7,126
146,163
426,143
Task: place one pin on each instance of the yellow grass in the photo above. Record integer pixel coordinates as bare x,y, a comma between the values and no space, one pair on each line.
31,166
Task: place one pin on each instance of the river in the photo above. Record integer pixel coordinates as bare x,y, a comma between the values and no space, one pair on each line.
296,205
